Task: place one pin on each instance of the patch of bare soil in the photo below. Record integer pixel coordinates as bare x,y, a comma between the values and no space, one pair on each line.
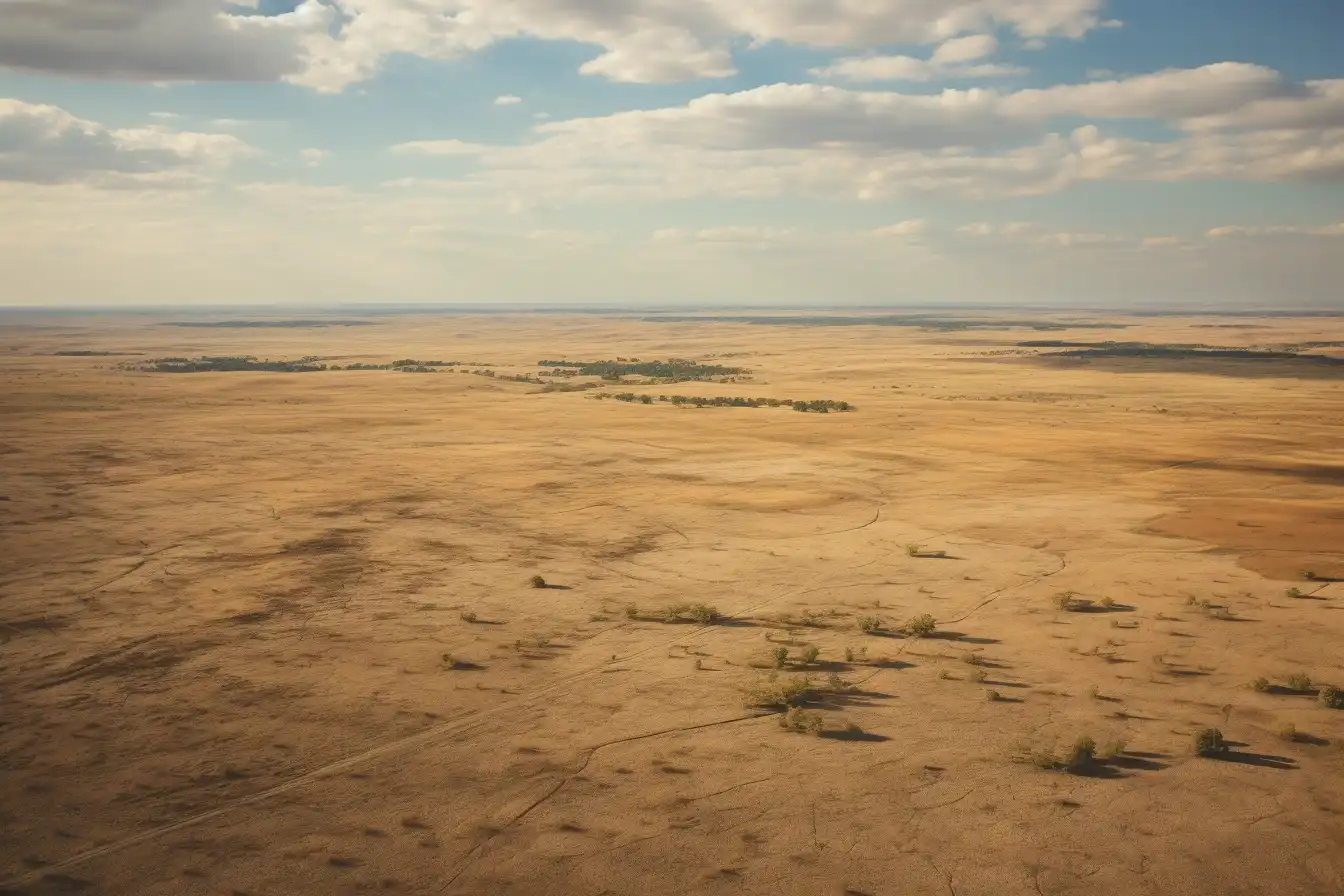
1280,539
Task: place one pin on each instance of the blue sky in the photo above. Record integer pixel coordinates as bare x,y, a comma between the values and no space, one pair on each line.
1129,152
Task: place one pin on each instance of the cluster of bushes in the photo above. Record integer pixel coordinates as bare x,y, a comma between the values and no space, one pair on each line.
920,626
1078,759
1327,695
820,406
673,369
568,387
701,614
226,363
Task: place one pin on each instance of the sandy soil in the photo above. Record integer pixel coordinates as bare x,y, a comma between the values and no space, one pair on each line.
225,601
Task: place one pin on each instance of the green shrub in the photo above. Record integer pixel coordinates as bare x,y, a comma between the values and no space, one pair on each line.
702,614
1294,592
993,696
972,659
467,616
869,624
1081,755
631,611
780,655
912,550
537,582
1064,600
979,675
856,655
1300,682
1107,602
1114,748
921,626
802,721
1210,742
837,685
809,654
1260,685
1330,697
774,692
1287,731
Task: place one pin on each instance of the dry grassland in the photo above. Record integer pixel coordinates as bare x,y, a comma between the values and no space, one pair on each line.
274,634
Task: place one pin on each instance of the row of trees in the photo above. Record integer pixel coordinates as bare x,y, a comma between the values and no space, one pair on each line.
229,363
819,405
673,369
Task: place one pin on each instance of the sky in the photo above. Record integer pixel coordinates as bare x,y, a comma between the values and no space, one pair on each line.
1108,154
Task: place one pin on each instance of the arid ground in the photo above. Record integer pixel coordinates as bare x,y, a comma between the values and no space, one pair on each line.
273,633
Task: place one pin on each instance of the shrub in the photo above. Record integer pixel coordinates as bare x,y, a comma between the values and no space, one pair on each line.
781,656
1309,575
1107,602
537,582
1064,600
921,626
631,611
1287,731
1210,742
1330,697
809,654
858,655
869,624
773,692
912,550
1294,592
837,685
853,728
944,675
800,720
1260,685
1094,692
979,675
467,616
993,696
449,662
1081,755
1114,748
1299,682
972,659
703,614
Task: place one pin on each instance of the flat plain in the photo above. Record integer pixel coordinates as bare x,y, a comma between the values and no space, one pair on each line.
275,633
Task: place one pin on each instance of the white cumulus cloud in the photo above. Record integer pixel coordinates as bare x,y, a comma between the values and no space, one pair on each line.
46,144
330,44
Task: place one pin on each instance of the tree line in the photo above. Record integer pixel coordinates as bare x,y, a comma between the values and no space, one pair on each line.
817,405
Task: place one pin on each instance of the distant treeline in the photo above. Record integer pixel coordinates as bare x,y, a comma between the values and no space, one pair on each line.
86,353
229,363
819,405
405,364
1144,350
306,364
923,321
1110,344
671,369
247,324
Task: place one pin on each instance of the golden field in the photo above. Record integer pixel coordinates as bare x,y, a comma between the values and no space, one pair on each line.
226,601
